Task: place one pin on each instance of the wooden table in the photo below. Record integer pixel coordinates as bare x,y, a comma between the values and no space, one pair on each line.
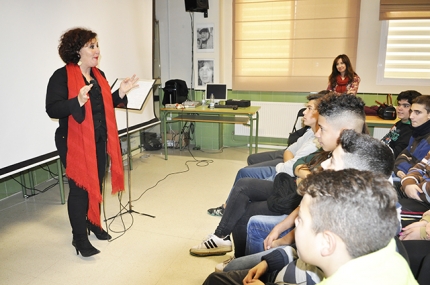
376,122
221,116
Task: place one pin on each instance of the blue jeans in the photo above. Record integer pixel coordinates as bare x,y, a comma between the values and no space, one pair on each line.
258,229
262,172
247,198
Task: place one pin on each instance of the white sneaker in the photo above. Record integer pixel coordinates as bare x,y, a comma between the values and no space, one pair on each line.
213,245
220,266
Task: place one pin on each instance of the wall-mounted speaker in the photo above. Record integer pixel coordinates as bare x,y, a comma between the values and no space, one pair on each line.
196,5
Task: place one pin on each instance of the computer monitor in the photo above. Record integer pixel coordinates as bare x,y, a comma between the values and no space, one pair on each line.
219,91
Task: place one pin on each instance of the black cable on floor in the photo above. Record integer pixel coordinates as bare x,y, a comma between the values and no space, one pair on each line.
33,189
199,163
123,208
120,214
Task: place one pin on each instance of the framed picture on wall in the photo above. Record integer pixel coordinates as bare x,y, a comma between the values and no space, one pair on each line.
205,72
205,38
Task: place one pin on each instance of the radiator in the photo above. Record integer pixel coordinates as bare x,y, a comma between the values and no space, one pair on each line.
276,120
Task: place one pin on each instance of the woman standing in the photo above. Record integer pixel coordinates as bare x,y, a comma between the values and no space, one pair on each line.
343,78
79,95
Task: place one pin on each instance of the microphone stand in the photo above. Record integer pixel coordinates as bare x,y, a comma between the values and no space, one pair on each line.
130,210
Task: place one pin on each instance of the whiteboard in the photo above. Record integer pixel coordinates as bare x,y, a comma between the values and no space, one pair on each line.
30,32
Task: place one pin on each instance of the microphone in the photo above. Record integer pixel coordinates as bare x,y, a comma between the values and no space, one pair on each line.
94,83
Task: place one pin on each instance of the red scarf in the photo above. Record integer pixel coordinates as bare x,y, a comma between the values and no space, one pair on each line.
341,84
81,154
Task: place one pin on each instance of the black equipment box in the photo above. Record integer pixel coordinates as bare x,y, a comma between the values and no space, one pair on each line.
150,141
239,103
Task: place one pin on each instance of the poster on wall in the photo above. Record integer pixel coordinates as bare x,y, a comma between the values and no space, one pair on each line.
205,72
205,37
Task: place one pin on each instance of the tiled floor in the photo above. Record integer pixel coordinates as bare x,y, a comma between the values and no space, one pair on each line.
35,235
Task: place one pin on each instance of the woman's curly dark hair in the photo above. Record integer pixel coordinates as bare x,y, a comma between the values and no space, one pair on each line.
71,43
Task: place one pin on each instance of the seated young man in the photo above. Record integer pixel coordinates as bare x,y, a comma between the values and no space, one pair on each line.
249,196
305,145
272,158
417,149
352,243
336,113
358,151
419,145
416,182
400,133
346,110
415,238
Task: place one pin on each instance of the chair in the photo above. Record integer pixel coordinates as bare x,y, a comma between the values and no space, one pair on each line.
299,114
175,91
296,134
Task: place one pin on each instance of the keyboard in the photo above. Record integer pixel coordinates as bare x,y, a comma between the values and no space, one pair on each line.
234,107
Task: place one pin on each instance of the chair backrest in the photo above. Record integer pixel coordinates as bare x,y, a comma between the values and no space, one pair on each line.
175,91
293,137
299,114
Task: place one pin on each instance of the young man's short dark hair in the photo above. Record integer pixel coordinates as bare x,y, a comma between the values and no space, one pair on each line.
423,100
316,96
364,152
334,105
409,95
362,208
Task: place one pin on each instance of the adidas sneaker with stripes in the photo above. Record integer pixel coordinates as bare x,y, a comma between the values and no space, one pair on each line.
213,245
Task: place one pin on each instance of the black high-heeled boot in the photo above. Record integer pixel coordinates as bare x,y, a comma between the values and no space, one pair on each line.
99,232
84,247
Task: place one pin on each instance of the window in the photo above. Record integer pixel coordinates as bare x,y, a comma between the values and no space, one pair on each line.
290,45
404,57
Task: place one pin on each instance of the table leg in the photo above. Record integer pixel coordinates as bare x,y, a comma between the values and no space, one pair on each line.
257,119
371,130
31,181
164,119
251,128
181,123
23,187
221,135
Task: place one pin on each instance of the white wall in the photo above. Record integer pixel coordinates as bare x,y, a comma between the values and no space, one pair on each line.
30,33
176,35
368,49
176,40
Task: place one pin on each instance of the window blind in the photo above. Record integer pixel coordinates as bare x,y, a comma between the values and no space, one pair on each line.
408,49
290,45
404,9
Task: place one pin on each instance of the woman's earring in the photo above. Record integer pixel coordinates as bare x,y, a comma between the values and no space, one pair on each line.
79,62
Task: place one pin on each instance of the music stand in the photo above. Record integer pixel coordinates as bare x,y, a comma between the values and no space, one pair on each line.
136,98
